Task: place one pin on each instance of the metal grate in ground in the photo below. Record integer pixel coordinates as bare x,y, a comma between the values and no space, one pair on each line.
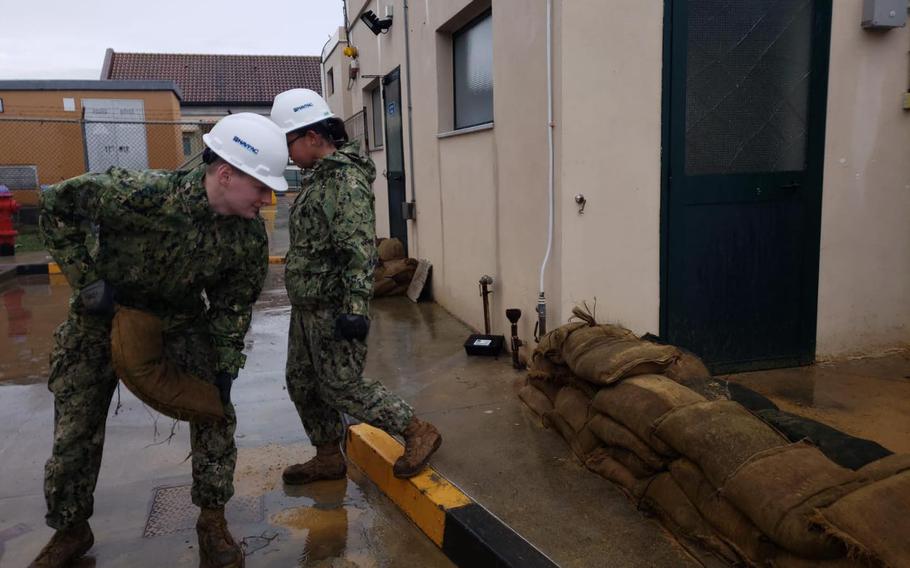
172,511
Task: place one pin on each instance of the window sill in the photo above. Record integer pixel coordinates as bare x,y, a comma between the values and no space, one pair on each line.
468,130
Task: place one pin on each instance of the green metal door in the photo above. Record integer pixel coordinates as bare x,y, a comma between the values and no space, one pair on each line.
744,101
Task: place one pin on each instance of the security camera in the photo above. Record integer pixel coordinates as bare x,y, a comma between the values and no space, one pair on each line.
376,24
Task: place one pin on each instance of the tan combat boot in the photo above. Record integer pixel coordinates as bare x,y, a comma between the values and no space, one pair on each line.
328,464
65,546
217,548
421,439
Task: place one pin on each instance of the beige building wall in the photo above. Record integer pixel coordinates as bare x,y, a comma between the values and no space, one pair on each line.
864,280
610,127
482,196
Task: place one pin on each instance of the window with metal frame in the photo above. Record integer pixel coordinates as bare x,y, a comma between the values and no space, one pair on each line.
376,115
330,82
472,49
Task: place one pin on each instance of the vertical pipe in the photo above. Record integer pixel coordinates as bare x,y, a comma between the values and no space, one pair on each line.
541,299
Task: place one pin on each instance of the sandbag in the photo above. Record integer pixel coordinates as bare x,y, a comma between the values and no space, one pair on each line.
601,463
574,407
545,385
582,442
393,277
631,462
840,448
666,497
390,249
612,433
581,340
779,491
733,527
639,402
536,400
551,344
137,349
687,366
872,522
885,467
607,359
719,436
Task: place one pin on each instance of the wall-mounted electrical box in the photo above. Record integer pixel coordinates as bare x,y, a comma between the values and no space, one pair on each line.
884,14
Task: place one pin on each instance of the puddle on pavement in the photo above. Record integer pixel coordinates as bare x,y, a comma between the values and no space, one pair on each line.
33,307
866,398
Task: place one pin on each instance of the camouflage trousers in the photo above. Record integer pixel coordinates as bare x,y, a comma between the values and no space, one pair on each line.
325,378
83,384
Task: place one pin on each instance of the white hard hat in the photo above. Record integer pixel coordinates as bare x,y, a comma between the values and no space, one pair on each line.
298,108
252,144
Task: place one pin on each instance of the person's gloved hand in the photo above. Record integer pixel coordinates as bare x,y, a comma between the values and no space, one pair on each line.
352,326
98,298
224,381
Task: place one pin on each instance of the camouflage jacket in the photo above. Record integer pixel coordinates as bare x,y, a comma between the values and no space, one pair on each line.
332,225
152,236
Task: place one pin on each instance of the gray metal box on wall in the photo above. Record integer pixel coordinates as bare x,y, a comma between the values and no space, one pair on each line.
884,14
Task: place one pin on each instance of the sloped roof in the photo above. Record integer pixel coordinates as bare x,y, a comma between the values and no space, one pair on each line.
218,79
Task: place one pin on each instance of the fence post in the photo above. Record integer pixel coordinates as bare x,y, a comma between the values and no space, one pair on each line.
84,140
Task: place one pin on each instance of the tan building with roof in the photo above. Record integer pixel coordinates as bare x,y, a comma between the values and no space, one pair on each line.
215,85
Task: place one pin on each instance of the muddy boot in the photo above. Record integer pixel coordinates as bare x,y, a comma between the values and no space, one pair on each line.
65,546
217,548
421,439
328,464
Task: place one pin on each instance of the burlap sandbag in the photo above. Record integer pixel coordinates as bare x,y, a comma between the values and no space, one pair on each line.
393,277
612,433
390,249
582,442
734,527
666,497
718,435
545,385
885,467
574,407
601,463
550,346
605,360
873,521
536,400
639,402
687,366
779,491
582,339
137,349
631,462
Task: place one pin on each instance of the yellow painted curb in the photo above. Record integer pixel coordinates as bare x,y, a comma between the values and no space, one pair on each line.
424,498
53,268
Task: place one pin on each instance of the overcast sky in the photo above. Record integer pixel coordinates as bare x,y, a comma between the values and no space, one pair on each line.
52,39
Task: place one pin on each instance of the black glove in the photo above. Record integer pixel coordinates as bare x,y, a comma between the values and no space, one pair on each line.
97,298
224,381
351,326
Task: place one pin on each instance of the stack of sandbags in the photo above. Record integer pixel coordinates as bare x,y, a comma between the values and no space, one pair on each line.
710,468
394,272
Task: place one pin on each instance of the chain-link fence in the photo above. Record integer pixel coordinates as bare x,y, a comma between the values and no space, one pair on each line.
39,151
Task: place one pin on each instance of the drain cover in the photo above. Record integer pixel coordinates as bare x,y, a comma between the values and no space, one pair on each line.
173,511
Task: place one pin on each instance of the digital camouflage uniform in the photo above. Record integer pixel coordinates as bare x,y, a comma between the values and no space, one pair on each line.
330,272
157,242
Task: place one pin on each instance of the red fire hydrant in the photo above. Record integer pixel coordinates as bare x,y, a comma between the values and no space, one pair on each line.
8,206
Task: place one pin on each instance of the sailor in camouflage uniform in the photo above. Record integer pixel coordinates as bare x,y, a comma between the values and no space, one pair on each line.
329,278
188,247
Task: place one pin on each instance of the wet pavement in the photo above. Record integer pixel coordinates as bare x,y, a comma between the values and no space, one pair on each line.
868,398
143,515
495,449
